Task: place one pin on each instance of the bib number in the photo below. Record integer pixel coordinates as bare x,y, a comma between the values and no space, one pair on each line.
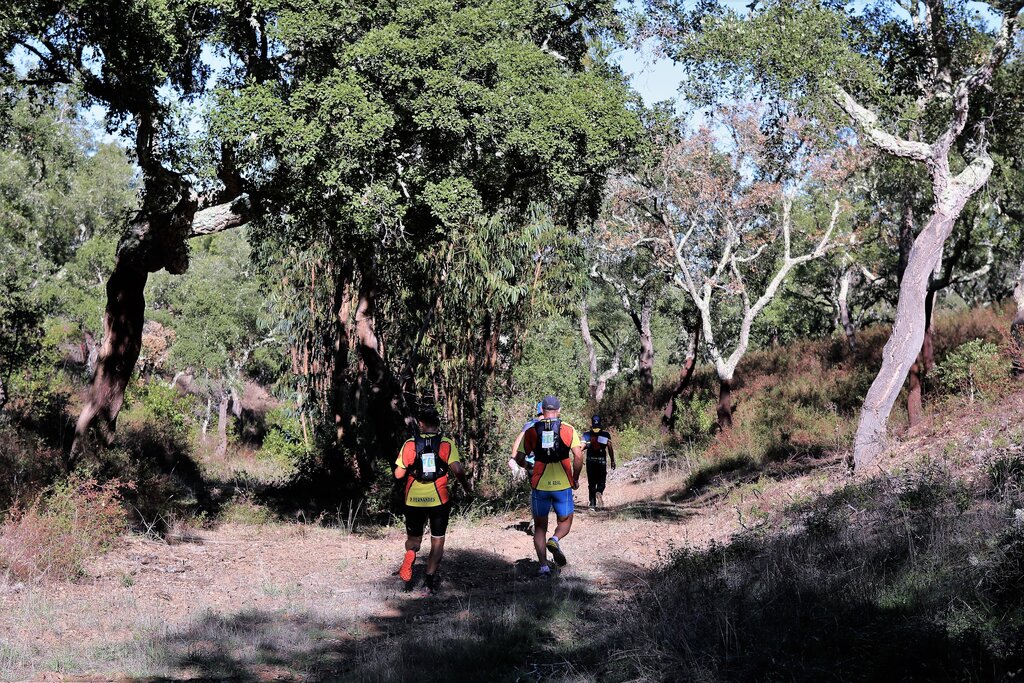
429,463
602,440
547,439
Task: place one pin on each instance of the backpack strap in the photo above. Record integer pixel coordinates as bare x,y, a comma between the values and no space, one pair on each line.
430,444
559,451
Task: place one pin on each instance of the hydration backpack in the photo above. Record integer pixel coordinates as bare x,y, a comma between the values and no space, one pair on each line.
428,465
596,444
549,447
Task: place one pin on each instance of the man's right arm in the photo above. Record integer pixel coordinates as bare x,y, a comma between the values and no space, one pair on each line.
400,467
577,465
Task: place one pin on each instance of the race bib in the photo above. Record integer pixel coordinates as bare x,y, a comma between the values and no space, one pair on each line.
547,439
429,463
602,440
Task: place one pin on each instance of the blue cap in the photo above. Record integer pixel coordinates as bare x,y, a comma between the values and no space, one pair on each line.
540,407
551,403
595,421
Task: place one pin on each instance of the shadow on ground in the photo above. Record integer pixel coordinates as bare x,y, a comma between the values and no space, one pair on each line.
652,510
911,578
491,620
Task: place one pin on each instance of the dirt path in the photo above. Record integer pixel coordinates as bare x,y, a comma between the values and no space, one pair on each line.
298,602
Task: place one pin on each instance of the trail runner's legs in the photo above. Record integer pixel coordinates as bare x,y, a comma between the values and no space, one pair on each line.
415,520
542,503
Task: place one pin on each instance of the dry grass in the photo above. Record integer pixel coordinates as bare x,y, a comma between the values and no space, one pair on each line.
54,536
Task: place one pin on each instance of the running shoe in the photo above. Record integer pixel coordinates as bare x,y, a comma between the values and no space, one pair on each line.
405,571
544,571
556,552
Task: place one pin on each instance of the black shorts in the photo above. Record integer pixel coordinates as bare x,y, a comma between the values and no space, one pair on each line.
416,519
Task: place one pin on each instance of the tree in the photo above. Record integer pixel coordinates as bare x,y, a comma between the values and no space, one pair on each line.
630,272
475,141
610,346
361,131
933,61
127,66
710,205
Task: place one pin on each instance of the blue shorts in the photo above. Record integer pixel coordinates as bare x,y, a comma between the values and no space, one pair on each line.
541,503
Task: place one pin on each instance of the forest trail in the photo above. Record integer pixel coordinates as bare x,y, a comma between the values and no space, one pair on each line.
302,602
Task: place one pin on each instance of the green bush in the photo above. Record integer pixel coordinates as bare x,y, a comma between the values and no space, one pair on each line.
284,443
160,406
972,369
696,414
244,509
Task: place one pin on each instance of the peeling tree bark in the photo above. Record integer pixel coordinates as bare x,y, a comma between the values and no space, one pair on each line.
668,418
724,408
646,358
341,388
908,331
388,412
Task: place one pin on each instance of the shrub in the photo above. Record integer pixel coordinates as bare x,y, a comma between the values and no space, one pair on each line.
697,414
77,519
972,368
244,509
165,407
284,442
27,464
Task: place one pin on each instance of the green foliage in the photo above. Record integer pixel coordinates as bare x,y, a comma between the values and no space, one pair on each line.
164,406
284,442
58,186
551,365
634,440
791,50
21,329
214,308
973,368
696,414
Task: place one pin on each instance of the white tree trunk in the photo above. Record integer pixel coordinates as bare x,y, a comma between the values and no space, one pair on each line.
607,375
951,193
588,342
908,330
222,425
206,419
844,309
1017,326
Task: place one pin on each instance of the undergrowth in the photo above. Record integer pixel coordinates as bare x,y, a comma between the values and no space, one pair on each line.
70,523
911,577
